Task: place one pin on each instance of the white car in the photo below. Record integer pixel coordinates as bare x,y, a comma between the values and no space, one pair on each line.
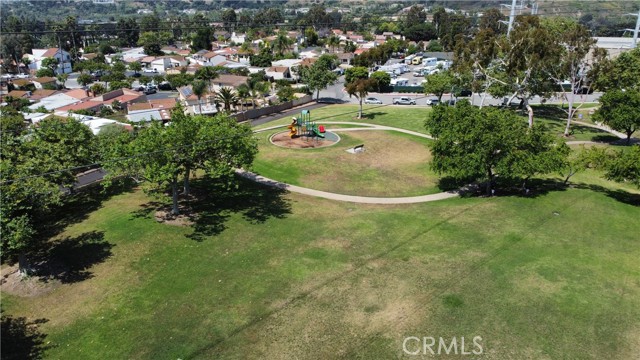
372,100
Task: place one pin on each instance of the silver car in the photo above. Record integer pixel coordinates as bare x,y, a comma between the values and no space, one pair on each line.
372,100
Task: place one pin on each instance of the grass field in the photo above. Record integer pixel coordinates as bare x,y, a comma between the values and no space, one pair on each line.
273,275
405,117
393,164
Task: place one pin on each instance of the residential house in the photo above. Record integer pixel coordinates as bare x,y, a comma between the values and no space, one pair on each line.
38,55
345,58
209,58
164,63
159,109
227,80
279,73
128,55
192,105
44,82
55,101
238,38
124,96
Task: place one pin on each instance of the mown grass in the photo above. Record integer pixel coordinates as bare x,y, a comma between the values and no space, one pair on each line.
393,164
266,274
409,117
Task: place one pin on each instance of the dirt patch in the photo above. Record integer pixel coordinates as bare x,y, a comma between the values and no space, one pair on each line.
183,219
25,286
283,139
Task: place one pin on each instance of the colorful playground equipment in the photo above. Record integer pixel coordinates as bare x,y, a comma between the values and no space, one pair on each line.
304,127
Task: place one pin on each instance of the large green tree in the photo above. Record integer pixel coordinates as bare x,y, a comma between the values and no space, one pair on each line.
620,110
439,83
360,88
35,170
622,72
161,156
319,75
480,144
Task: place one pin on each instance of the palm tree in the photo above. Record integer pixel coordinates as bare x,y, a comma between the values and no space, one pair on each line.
282,43
333,41
227,97
254,88
360,89
207,73
243,95
199,88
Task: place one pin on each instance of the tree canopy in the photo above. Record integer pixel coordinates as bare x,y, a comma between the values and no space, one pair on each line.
620,110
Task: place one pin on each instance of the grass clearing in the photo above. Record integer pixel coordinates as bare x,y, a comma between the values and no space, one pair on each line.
267,274
393,164
404,117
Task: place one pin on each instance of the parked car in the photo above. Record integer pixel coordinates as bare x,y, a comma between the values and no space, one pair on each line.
404,101
372,100
432,102
583,91
150,71
150,90
165,85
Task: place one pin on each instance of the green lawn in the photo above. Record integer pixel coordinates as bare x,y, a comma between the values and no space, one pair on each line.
394,164
273,275
407,117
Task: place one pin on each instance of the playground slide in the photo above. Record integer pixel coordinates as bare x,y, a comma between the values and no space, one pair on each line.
317,133
293,132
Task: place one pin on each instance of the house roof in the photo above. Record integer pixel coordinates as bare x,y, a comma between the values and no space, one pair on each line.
230,80
44,80
83,105
139,106
50,52
308,61
21,82
79,94
147,59
144,115
89,56
278,69
18,93
163,103
42,93
54,101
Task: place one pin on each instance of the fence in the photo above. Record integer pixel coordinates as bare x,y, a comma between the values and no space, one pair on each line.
256,113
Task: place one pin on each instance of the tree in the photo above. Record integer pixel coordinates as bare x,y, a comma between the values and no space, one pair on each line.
97,89
282,43
229,19
62,78
208,74
420,32
415,16
51,64
218,145
382,79
84,79
227,97
438,84
151,43
136,67
621,73
360,89
318,76
57,147
45,72
620,110
199,88
201,40
576,43
333,41
253,87
478,144
624,166
286,93
311,37
355,73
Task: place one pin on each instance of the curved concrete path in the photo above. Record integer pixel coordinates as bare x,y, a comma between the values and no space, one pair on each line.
351,198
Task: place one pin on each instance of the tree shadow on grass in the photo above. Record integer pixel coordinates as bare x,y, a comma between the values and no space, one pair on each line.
80,204
212,203
70,259
21,339
541,187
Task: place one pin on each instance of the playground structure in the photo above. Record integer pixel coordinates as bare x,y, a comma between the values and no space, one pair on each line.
303,127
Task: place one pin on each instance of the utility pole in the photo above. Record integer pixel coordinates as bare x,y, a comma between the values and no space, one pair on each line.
635,31
512,16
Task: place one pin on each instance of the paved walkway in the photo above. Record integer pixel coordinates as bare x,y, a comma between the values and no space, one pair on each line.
352,198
